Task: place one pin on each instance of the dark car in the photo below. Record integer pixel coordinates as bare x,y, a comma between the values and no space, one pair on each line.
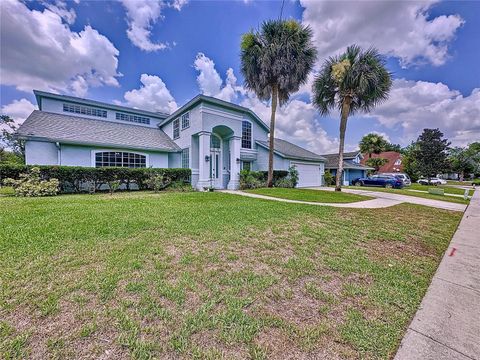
386,181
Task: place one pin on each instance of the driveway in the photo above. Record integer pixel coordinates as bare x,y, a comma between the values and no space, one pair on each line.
402,198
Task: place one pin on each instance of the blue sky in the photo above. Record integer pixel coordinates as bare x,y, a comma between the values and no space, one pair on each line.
99,50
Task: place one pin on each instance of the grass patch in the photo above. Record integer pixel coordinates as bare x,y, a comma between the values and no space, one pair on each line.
209,275
446,189
321,196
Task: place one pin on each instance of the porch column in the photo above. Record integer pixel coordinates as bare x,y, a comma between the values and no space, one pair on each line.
203,165
235,143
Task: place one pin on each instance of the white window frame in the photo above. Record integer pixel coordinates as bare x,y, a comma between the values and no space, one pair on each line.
246,161
398,162
177,121
251,135
185,151
183,117
94,153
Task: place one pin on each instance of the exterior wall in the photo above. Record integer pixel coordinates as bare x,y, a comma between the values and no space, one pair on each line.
41,153
56,106
350,174
261,164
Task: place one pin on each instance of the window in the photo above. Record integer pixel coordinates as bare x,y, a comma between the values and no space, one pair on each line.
132,118
398,162
176,129
120,159
185,120
79,109
246,165
214,142
186,158
246,134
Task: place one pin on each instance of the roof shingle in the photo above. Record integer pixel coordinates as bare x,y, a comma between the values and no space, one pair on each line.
292,151
79,130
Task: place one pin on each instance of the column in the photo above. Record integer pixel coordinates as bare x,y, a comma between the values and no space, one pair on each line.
203,165
235,143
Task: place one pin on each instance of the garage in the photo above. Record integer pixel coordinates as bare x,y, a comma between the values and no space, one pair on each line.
308,174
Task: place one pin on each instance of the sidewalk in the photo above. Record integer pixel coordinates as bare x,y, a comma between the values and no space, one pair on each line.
447,324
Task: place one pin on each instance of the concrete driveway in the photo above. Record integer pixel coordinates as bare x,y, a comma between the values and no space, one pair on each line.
401,198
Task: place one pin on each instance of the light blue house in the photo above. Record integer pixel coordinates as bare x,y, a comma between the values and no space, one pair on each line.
214,138
352,168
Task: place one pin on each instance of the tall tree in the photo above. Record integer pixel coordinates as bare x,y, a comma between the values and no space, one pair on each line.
376,163
275,62
8,127
355,81
465,160
373,144
431,153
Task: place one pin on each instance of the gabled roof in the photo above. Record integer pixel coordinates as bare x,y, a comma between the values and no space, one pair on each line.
213,101
390,166
79,130
288,150
39,94
348,163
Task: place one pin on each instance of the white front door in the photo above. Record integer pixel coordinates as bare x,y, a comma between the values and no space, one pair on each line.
216,174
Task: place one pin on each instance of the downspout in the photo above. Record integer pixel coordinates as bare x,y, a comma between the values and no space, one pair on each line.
59,153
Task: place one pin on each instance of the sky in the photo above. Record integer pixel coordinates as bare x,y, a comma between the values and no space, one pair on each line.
157,55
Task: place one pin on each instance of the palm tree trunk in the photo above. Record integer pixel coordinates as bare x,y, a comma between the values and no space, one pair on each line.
343,128
272,135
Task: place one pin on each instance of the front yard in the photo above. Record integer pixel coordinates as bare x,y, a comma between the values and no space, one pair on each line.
321,196
211,275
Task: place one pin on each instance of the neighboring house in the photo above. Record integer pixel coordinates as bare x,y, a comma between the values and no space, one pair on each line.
393,165
352,167
214,138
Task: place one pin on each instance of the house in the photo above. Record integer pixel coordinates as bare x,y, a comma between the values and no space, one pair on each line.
212,137
393,165
352,167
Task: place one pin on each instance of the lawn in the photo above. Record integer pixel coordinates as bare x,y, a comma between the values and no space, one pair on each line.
310,195
404,191
447,189
211,275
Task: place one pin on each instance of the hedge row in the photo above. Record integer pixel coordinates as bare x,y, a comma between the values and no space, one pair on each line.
74,178
277,175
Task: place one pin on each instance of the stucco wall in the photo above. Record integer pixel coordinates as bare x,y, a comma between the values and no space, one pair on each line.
41,153
279,163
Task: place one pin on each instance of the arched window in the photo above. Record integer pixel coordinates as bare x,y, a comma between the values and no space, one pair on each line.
214,142
246,134
120,159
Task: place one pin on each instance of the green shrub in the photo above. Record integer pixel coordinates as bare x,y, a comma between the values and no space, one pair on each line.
157,182
76,178
251,179
179,186
328,178
7,190
31,184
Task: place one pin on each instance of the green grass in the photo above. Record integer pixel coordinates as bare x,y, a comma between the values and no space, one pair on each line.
446,189
310,195
6,191
211,275
404,191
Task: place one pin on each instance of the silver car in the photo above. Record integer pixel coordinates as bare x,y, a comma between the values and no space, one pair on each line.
402,176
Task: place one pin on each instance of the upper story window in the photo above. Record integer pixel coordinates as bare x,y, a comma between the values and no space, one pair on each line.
246,134
176,129
120,159
398,162
186,158
185,120
132,118
214,142
84,110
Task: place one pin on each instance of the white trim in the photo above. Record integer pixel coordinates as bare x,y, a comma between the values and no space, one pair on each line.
208,110
95,151
251,136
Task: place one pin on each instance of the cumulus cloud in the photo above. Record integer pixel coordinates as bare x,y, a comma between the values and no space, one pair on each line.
152,95
60,8
18,110
141,16
415,105
42,52
402,29
210,82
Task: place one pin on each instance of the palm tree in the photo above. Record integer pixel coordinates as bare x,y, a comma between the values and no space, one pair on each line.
373,144
275,61
355,81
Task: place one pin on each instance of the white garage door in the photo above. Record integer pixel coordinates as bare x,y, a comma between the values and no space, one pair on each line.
308,175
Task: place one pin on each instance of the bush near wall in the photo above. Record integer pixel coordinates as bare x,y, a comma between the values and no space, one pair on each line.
258,179
74,178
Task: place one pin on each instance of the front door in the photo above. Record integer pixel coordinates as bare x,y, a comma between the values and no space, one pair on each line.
216,162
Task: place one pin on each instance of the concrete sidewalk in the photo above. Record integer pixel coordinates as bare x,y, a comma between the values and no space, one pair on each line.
447,324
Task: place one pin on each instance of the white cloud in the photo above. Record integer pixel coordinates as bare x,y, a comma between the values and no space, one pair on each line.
141,16
415,105
152,95
18,110
398,28
210,82
39,51
59,7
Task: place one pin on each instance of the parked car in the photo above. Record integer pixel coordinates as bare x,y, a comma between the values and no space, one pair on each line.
402,176
386,181
433,181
